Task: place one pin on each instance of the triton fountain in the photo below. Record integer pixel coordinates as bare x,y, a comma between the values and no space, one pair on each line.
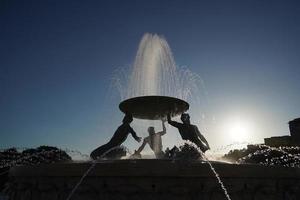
153,89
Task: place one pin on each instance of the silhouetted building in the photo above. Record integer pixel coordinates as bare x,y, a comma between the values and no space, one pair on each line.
294,126
292,140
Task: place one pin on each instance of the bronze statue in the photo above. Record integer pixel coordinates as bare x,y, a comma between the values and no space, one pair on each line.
118,138
154,141
190,132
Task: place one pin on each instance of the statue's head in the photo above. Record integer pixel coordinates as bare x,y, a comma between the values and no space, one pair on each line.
127,118
151,130
185,118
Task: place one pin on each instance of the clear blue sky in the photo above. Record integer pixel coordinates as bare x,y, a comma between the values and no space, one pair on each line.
57,58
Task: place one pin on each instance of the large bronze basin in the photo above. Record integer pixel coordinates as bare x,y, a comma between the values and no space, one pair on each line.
153,107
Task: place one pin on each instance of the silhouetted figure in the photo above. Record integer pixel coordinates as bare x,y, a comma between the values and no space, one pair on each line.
118,138
154,141
190,132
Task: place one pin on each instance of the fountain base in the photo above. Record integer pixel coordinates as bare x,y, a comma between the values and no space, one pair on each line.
153,179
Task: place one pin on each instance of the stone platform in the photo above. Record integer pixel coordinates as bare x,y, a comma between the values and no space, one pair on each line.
153,179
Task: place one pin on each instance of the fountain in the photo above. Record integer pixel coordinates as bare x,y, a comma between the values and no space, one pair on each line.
154,88
154,73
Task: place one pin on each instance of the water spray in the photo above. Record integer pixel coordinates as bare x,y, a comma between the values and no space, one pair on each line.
94,163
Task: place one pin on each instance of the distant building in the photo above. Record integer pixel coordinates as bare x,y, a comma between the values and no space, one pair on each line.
295,129
292,140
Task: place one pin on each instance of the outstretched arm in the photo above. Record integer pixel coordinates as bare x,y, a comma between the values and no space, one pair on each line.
173,123
164,131
141,147
133,133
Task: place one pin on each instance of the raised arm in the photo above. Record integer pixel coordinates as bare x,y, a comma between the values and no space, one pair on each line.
173,123
141,147
133,133
164,131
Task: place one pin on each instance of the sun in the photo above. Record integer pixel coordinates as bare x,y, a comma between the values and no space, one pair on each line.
238,130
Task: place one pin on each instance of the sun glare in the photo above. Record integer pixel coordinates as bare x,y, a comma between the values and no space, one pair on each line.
238,130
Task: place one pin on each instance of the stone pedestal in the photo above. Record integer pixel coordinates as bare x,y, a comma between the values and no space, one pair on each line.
153,179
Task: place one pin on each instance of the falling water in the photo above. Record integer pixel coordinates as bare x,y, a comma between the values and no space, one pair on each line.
81,179
154,72
189,150
154,69
93,165
217,176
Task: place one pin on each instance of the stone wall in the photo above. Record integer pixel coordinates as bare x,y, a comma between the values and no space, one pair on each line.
153,179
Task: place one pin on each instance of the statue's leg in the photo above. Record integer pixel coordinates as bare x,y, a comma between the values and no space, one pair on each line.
100,150
202,147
